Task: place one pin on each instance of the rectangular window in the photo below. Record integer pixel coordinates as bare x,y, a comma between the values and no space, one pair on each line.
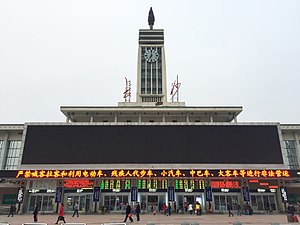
290,147
143,72
154,78
159,75
13,155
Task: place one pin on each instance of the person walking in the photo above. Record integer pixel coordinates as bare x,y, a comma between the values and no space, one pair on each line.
128,213
291,209
154,210
170,209
185,206
165,208
291,213
190,208
238,209
35,213
229,208
198,208
12,208
167,211
61,213
138,211
76,209
250,209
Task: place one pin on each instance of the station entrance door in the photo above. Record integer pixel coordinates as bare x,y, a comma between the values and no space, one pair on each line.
84,200
152,201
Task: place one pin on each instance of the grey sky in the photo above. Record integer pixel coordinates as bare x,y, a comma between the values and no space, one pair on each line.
77,53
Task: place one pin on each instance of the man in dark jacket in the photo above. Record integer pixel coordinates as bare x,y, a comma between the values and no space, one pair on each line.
12,209
35,213
229,208
138,211
128,213
291,209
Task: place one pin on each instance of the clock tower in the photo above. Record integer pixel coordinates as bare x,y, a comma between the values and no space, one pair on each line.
151,71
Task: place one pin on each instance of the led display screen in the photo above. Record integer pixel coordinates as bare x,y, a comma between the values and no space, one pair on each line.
115,144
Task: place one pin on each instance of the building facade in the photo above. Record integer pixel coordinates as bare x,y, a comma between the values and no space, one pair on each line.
152,151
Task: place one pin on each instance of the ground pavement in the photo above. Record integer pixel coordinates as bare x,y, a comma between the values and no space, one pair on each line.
175,219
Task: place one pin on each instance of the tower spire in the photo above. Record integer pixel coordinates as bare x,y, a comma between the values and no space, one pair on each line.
151,18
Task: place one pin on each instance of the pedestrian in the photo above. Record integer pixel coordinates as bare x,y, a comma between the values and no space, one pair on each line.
250,209
229,208
209,207
291,213
35,213
190,208
175,207
267,207
154,210
238,209
12,209
128,213
246,208
165,208
185,206
160,206
138,211
61,213
198,208
291,209
169,209
76,209
298,207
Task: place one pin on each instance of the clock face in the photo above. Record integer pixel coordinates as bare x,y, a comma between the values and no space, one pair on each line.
151,55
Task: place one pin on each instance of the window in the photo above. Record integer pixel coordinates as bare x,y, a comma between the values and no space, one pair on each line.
290,147
13,154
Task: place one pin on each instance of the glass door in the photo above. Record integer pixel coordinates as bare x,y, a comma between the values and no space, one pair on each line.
71,200
152,203
263,202
48,203
84,201
45,203
183,201
115,202
220,202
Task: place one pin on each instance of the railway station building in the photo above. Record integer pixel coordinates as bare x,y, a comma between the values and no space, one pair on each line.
153,151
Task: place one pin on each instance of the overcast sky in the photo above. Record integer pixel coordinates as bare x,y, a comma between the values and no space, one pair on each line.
77,53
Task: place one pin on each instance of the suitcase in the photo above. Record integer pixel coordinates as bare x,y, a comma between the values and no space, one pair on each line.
290,218
295,219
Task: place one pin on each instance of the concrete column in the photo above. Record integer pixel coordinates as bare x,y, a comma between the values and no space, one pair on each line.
297,146
92,119
22,207
140,117
211,118
281,205
67,119
97,183
116,118
164,118
235,119
187,118
3,153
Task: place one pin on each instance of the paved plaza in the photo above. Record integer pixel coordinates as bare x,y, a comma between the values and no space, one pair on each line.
156,219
